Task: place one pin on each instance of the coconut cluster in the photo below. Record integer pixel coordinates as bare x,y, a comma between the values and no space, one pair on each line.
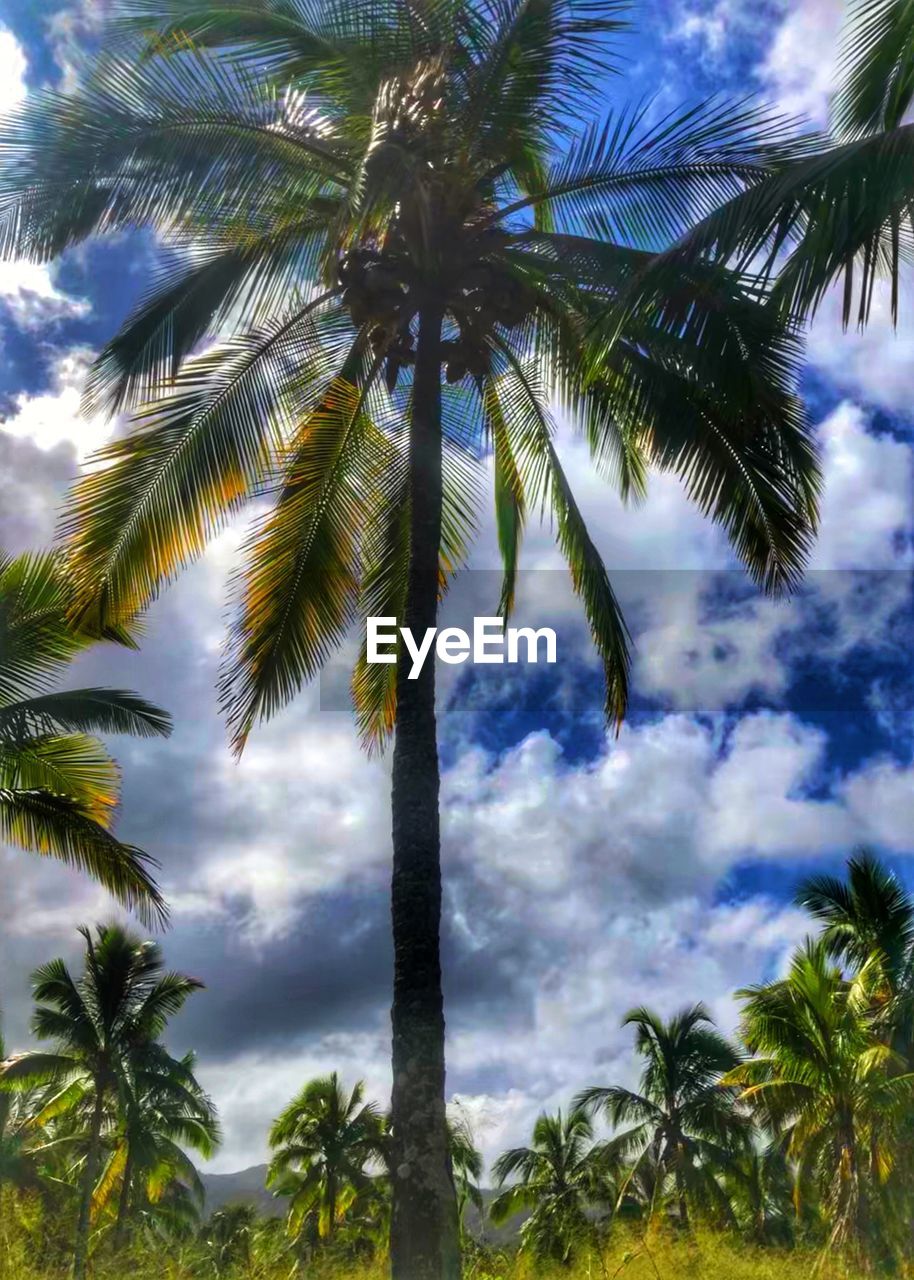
482,297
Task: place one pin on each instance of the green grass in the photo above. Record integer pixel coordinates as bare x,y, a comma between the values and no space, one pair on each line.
706,1257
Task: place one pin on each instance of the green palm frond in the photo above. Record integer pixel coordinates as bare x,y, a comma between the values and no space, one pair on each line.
86,711
56,826
876,67
155,497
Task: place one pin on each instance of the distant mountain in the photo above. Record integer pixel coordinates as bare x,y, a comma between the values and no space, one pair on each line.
246,1186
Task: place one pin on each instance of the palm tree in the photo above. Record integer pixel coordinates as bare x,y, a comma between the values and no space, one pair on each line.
122,1001
322,1142
821,1077
684,1122
163,1114
758,1184
58,785
558,1179
872,914
467,1163
227,1237
372,198
845,208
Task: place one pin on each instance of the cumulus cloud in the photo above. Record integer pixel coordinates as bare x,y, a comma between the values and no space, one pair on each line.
51,418
876,363
32,297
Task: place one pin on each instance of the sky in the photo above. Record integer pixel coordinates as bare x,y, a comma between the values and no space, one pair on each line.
584,873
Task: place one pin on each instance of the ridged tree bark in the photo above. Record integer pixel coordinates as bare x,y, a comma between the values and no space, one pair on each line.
424,1242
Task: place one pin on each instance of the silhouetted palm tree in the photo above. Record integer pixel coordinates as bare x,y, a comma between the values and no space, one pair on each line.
122,1001
376,198
58,785
683,1121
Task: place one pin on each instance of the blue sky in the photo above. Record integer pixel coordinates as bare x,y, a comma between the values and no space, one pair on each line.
583,872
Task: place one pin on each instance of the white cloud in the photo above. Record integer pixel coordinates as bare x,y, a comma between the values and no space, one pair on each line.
868,496
799,66
876,363
29,291
13,67
51,418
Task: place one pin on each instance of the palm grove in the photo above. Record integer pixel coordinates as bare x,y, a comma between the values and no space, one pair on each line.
408,236
800,1135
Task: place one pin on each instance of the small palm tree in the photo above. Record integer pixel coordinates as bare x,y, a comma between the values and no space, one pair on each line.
759,1185
163,1114
20,1168
684,1123
839,1095
557,1181
467,1163
122,1001
58,785
323,1142
227,1238
409,232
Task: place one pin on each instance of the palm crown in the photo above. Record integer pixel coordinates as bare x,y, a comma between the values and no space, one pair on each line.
345,179
680,1115
557,1179
322,1142
58,785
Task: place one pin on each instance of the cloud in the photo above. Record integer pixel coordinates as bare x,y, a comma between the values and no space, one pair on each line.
13,68
875,364
49,419
799,65
33,299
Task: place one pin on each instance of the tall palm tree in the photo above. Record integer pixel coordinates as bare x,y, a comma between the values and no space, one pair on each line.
822,1078
844,209
375,198
556,1180
122,1000
683,1122
58,784
322,1142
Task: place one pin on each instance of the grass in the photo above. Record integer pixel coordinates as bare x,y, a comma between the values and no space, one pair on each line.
705,1257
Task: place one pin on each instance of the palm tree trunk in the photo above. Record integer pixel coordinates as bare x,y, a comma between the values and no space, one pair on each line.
123,1204
424,1238
90,1173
